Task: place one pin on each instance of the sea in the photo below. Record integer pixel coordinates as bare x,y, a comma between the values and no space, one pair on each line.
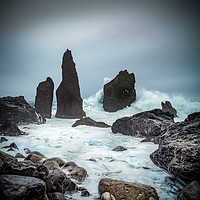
91,147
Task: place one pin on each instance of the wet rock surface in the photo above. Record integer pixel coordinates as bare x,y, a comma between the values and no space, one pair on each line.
120,92
69,101
144,124
18,110
167,107
119,148
90,122
179,149
125,190
44,98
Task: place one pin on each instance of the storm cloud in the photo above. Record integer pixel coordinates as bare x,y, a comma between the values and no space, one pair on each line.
157,40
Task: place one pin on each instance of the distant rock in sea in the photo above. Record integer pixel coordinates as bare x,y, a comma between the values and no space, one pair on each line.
179,150
120,92
144,124
18,110
167,107
69,101
44,98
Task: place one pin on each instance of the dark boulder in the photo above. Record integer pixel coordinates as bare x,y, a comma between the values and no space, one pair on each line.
120,92
44,98
144,124
3,139
18,110
179,150
22,187
167,107
69,101
126,190
119,148
90,122
9,128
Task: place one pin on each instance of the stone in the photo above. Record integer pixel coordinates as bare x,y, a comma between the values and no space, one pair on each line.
6,157
44,98
179,150
35,157
125,190
120,92
69,101
149,139
3,139
9,128
19,155
144,124
22,187
74,171
107,196
51,165
167,107
56,159
18,110
90,122
56,196
27,150
190,192
119,148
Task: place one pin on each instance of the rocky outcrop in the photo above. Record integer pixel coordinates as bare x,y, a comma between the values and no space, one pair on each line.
125,190
9,128
44,98
120,92
145,124
90,122
179,149
119,148
69,101
22,187
18,110
167,107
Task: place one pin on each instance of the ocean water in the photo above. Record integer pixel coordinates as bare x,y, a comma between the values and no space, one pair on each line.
91,147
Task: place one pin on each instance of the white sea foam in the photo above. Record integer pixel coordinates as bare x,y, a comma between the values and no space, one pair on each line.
91,147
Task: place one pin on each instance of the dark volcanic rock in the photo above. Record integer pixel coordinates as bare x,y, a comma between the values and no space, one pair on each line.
119,148
145,124
120,92
125,190
179,149
69,101
167,107
22,187
18,110
90,122
9,128
3,139
44,98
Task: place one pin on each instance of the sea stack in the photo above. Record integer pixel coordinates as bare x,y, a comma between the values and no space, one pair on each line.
120,92
69,101
44,98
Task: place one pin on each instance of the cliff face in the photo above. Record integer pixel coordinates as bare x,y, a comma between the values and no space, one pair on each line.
69,101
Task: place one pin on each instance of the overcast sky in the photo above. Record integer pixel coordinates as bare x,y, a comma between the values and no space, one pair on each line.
156,40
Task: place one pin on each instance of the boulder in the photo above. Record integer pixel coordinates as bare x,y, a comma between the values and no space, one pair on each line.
56,159
22,187
125,190
6,157
3,139
18,110
74,171
35,157
56,196
120,92
190,192
44,98
69,101
144,124
12,145
179,150
119,148
90,122
167,107
107,196
9,128
19,155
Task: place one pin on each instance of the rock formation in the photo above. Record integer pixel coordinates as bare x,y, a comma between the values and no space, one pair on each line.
90,122
18,110
144,124
69,101
167,107
44,98
179,150
120,92
125,190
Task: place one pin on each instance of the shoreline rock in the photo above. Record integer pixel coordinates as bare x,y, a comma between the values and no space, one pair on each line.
120,92
167,107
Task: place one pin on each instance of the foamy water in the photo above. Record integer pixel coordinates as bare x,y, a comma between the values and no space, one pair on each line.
83,143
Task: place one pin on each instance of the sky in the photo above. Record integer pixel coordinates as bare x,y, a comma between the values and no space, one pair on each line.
158,41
